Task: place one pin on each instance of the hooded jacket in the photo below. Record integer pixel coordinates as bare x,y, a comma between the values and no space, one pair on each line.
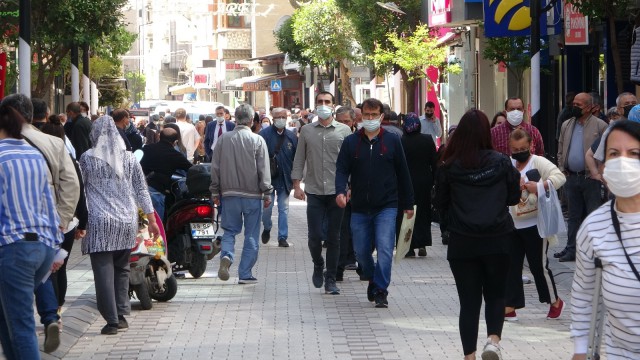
475,201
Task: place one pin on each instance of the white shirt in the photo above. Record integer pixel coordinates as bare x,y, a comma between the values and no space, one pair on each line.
215,132
190,137
523,222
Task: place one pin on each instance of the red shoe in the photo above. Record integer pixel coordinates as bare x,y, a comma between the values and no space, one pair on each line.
511,316
555,312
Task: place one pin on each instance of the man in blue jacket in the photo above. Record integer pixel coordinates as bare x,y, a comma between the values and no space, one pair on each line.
380,184
282,144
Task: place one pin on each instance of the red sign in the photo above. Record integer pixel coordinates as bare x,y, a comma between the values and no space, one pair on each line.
3,72
440,12
233,66
200,79
576,26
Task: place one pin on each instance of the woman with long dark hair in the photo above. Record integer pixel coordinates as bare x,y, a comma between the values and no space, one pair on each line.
475,184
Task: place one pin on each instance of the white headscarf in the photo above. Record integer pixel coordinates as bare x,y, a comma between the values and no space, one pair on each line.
108,144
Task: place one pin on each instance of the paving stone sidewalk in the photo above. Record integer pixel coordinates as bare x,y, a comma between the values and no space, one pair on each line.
284,317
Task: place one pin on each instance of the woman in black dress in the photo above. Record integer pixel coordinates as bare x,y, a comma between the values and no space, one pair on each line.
420,151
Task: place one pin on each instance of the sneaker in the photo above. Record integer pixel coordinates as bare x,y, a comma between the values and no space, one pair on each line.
250,280
339,276
555,312
283,243
410,254
266,236
491,351
330,287
381,300
370,289
109,329
51,337
318,277
511,316
223,271
122,323
422,251
567,257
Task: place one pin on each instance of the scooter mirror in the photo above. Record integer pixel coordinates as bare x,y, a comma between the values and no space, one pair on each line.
138,154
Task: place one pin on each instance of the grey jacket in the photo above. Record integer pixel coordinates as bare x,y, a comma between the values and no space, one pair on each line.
240,165
593,128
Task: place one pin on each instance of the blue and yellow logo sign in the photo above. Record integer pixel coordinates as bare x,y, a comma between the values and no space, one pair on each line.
509,18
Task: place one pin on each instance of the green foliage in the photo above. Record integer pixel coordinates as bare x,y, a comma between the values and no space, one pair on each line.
137,83
602,8
372,22
510,50
414,53
286,44
325,35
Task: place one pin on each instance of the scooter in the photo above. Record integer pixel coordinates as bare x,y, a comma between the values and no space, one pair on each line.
151,276
192,224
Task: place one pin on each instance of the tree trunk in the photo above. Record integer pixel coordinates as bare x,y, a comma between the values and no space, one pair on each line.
409,92
345,77
615,51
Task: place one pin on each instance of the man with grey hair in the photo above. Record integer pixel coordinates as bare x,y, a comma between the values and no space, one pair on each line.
241,180
625,102
346,115
583,192
282,144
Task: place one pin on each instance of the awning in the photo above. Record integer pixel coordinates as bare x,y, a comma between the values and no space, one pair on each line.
448,38
251,79
255,60
182,89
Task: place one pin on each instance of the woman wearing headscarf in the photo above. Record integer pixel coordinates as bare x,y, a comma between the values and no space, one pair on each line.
115,187
420,151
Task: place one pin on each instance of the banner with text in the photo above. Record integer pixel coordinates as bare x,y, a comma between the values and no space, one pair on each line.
576,26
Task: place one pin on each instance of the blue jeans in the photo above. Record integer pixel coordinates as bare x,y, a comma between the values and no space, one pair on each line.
157,198
381,227
47,302
283,212
234,209
23,265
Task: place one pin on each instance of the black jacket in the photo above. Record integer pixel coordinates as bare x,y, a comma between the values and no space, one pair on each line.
159,162
78,130
475,201
379,174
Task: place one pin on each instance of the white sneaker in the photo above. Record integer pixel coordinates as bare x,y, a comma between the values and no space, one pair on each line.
223,271
491,351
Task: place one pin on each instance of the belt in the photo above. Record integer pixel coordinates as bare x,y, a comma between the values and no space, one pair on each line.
577,173
31,236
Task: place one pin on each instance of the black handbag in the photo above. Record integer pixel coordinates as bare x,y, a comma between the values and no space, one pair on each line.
273,163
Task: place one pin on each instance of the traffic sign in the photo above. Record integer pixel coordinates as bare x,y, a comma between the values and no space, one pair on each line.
276,85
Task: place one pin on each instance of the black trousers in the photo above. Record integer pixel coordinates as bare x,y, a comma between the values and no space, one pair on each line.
347,255
319,208
527,242
478,277
59,278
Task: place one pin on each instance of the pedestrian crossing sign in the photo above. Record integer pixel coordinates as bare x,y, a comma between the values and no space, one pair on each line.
276,85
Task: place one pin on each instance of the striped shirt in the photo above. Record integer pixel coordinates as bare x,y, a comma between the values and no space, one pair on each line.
26,201
620,287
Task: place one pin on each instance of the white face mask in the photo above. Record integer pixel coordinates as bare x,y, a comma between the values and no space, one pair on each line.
514,117
220,119
622,175
280,123
359,125
324,112
84,114
372,125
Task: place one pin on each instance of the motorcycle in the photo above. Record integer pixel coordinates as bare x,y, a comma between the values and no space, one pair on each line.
191,224
151,276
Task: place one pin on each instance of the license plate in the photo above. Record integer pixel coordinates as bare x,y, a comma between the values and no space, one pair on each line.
202,230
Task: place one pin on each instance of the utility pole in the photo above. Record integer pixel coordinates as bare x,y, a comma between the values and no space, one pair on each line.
534,44
75,74
24,47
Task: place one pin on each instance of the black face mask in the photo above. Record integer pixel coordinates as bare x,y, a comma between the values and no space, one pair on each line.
627,110
575,112
521,156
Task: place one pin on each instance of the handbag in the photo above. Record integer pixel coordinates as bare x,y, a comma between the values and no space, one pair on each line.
550,218
273,163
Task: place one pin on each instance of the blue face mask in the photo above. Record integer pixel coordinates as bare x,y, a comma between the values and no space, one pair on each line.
324,112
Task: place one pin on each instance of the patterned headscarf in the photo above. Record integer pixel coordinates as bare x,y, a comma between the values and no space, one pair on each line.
108,145
411,123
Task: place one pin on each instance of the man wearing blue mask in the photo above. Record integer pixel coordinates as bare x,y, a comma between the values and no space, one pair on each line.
318,148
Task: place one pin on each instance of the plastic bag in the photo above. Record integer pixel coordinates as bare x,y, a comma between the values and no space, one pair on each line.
550,218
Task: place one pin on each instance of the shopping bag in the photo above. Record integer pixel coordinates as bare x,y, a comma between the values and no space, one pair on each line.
550,218
406,233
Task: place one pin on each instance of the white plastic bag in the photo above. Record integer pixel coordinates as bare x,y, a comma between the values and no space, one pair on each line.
550,219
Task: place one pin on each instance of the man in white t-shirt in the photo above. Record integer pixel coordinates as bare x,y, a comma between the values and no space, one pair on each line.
190,137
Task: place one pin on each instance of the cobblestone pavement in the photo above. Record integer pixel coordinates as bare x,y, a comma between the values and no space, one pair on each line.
284,317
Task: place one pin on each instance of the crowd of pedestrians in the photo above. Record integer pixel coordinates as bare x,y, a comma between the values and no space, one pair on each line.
360,170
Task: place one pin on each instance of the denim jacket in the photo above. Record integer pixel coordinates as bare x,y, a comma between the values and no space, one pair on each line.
285,156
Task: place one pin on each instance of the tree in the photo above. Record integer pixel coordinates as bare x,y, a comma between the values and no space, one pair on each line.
136,84
58,24
512,51
327,38
287,44
610,10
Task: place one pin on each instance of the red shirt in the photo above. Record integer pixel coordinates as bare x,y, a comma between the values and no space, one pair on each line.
500,138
